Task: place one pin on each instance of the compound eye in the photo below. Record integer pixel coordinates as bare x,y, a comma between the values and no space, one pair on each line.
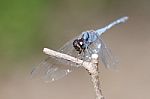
81,43
76,44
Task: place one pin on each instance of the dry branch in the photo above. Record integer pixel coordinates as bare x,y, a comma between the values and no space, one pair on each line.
92,67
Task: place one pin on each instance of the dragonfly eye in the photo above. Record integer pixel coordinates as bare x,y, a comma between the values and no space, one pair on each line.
77,44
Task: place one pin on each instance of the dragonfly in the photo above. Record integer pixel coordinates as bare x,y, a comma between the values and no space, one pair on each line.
82,47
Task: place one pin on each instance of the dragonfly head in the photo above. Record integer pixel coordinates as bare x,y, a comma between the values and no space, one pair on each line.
78,44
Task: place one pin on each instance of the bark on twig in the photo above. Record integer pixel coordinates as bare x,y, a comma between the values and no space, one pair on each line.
92,67
95,77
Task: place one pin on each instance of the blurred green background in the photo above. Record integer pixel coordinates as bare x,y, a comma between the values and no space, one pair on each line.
26,27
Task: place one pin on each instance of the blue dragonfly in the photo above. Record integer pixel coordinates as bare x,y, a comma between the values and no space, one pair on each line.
81,47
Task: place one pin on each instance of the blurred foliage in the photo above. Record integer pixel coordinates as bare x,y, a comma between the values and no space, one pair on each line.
19,27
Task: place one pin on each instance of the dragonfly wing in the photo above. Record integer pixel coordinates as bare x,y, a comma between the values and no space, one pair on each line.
70,50
105,54
52,68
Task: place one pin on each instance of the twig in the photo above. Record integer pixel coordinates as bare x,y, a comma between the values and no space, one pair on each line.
92,67
95,77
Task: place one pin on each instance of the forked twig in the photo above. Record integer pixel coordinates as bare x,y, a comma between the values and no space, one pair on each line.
92,67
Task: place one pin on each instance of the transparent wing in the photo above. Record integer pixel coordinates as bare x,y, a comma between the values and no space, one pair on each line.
104,53
69,49
52,68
